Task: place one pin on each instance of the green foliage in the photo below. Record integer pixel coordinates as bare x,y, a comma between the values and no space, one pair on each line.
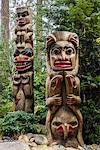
91,114
6,105
40,129
39,84
98,40
17,123
5,80
40,114
39,93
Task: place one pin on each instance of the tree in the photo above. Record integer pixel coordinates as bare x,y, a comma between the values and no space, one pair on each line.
5,19
38,31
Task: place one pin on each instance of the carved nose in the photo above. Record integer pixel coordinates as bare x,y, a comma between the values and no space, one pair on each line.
20,17
67,130
20,56
63,55
63,128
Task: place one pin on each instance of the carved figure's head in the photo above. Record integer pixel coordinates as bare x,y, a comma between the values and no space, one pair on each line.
23,59
23,15
64,125
62,50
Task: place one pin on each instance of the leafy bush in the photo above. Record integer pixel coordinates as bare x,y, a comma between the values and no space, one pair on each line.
39,84
17,123
39,92
6,105
91,115
5,80
40,114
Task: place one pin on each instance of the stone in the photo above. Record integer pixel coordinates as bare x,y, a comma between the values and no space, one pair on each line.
6,138
40,147
29,135
23,138
16,145
32,144
94,147
55,147
1,141
40,139
58,147
32,139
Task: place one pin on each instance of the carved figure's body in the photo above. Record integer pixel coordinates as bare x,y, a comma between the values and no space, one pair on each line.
23,35
22,91
62,85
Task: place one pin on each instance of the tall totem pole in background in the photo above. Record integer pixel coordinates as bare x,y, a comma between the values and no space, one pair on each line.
64,120
23,59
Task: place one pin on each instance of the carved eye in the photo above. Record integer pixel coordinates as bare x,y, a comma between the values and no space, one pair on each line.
24,14
74,123
25,79
30,54
16,53
69,51
18,15
57,123
16,80
56,51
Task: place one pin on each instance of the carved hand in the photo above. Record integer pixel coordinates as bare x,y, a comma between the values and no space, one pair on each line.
54,100
73,99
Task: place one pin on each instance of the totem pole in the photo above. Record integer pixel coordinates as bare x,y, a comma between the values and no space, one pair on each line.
64,120
23,59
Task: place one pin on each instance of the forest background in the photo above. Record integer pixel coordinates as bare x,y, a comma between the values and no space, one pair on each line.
79,16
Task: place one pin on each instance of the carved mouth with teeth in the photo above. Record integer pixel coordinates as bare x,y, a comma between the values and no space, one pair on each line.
63,64
23,64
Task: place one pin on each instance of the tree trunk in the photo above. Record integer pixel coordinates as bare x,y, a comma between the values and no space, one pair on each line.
39,32
5,20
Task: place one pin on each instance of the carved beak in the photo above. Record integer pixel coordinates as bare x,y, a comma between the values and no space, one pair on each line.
67,130
63,128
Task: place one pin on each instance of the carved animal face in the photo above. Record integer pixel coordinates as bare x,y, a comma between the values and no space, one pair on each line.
64,125
63,56
23,18
23,59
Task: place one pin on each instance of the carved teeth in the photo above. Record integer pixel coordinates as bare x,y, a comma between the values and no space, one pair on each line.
21,64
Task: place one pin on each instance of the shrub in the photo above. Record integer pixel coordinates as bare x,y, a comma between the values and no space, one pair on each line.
17,123
6,105
40,114
91,115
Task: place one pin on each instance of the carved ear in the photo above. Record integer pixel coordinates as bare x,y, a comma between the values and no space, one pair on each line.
73,38
51,39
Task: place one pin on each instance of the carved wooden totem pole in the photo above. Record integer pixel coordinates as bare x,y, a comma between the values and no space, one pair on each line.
23,59
64,120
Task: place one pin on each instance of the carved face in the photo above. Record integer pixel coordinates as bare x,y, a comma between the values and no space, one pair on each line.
23,18
63,56
23,59
64,125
